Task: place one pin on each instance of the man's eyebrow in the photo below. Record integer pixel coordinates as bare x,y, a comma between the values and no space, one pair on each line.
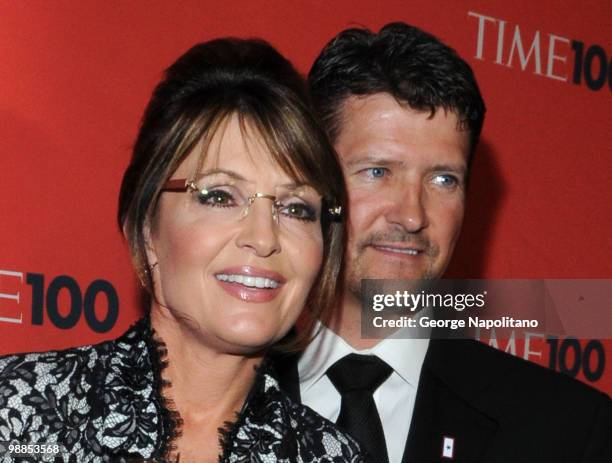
385,161
373,159
458,168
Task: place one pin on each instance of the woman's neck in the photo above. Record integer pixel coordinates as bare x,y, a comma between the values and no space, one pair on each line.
208,387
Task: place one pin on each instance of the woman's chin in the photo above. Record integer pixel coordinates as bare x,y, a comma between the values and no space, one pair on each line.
248,337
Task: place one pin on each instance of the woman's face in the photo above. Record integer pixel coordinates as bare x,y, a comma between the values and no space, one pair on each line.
236,277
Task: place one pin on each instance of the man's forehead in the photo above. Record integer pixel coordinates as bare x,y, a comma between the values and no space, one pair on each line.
385,108
377,127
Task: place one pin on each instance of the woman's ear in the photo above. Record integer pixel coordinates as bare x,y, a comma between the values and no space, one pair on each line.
124,231
149,244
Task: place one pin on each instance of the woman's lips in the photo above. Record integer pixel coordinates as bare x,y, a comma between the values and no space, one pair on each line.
250,284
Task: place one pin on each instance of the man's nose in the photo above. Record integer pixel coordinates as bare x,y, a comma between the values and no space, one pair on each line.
408,207
259,229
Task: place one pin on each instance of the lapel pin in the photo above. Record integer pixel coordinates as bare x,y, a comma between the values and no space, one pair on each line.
448,447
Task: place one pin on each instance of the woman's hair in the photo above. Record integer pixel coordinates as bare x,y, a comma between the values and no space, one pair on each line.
210,83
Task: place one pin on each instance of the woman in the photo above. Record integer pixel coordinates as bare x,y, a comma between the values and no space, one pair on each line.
230,207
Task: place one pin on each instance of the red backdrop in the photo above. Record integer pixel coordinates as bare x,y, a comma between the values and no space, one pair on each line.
76,77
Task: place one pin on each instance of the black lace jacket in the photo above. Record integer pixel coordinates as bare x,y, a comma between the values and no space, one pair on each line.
104,403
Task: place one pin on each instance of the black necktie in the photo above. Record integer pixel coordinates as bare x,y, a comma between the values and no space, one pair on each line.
356,377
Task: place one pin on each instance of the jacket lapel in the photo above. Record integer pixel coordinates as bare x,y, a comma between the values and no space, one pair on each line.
447,404
448,424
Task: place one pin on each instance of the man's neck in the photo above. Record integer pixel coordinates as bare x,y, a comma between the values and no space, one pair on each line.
346,323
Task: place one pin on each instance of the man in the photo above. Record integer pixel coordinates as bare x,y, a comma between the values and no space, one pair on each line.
405,113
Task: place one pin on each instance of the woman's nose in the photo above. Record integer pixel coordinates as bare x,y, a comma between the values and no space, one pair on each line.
259,227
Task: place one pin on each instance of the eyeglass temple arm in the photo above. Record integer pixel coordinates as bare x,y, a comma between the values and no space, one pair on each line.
178,184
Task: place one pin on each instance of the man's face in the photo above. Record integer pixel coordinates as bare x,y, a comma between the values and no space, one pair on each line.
406,175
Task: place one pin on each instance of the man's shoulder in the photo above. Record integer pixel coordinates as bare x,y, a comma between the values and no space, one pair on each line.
516,392
533,410
524,377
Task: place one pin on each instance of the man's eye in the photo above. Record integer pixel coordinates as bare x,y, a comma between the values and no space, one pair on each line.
299,211
446,180
215,198
376,172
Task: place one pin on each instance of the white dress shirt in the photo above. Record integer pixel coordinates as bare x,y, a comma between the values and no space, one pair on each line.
394,398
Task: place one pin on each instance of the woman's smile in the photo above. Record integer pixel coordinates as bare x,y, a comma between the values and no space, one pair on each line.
250,284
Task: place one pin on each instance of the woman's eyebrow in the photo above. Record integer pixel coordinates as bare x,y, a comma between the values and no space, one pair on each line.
296,185
229,173
236,176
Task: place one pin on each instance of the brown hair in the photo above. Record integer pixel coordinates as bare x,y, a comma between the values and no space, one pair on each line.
404,61
208,84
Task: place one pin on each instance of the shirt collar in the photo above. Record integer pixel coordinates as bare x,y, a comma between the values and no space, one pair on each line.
325,349
405,356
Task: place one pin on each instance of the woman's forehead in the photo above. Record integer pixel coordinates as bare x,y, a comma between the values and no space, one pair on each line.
237,142
238,146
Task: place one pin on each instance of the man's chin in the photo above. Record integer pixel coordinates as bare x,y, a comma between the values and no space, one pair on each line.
374,266
381,270
354,281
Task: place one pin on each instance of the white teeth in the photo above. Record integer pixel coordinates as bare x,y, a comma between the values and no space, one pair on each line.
251,282
411,252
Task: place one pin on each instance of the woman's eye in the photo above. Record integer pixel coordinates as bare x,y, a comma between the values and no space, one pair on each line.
446,180
299,211
215,198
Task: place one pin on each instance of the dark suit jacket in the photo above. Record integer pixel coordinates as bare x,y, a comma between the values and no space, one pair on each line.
497,408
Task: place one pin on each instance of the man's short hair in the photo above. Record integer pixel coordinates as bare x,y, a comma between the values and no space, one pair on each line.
403,61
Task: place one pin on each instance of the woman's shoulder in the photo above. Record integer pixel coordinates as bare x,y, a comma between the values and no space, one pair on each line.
65,395
36,370
319,436
42,391
273,426
48,367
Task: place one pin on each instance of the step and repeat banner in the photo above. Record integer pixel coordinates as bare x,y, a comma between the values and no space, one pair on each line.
76,77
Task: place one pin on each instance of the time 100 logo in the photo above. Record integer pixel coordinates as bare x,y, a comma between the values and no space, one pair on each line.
49,294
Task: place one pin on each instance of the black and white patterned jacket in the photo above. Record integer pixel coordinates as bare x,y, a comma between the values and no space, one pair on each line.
104,403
